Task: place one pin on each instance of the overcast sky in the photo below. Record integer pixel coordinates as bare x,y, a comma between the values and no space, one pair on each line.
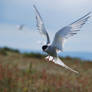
55,13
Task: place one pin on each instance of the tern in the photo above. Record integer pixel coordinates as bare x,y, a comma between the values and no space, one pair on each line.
63,34
20,27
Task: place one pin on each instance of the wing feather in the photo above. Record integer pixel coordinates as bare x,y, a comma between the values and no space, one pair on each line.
40,25
59,62
69,31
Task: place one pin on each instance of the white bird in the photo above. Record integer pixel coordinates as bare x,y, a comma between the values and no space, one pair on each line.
60,36
20,27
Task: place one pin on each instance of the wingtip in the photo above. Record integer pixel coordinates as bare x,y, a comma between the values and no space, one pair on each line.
89,14
72,70
62,64
76,72
34,6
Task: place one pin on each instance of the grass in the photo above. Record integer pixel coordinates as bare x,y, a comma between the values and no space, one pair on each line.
31,73
34,55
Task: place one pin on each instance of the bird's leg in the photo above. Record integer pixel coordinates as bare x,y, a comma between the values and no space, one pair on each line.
50,58
47,58
53,60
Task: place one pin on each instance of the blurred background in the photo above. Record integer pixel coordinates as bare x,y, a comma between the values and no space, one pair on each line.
56,14
22,64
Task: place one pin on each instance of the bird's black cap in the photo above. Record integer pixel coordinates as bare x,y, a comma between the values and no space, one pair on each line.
44,47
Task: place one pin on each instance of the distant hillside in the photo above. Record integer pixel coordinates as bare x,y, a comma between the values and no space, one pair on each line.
81,55
86,56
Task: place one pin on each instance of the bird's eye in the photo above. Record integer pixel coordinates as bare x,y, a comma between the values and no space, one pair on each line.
44,47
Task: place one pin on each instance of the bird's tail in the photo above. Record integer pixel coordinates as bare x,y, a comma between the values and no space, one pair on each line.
59,62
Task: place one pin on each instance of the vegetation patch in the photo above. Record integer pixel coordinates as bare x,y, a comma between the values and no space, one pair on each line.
34,74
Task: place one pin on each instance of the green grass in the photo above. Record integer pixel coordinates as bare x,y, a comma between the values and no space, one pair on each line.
34,55
31,73
5,49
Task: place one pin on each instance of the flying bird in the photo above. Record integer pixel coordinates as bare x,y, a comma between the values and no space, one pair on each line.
63,34
20,27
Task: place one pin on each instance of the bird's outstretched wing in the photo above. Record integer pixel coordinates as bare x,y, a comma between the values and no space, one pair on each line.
59,62
68,31
40,25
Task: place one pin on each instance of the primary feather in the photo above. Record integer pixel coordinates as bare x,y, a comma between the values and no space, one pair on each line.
40,25
68,31
59,62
